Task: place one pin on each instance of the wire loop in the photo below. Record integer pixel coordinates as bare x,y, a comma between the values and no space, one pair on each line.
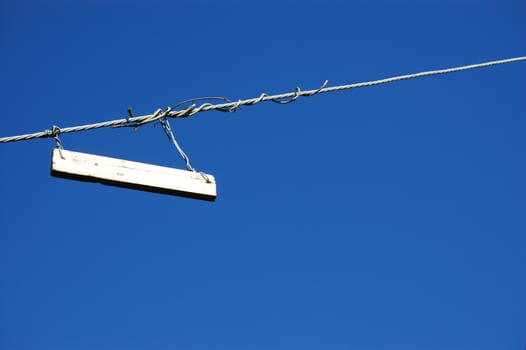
297,93
54,132
202,99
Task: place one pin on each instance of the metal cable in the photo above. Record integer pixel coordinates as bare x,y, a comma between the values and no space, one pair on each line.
232,106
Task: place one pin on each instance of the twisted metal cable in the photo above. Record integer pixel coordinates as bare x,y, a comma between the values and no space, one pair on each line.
232,106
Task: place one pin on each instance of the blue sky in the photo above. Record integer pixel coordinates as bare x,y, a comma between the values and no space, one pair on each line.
389,217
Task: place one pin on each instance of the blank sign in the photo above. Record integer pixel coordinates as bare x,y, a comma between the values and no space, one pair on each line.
134,175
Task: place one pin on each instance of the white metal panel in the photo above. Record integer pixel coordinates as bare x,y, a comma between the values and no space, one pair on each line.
134,175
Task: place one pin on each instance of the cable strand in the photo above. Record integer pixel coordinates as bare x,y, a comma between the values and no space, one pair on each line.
229,106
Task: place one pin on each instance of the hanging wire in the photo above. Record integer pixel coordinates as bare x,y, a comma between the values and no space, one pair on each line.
230,106
163,120
168,131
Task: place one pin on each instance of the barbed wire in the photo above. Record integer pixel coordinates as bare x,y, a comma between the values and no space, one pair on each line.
229,106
